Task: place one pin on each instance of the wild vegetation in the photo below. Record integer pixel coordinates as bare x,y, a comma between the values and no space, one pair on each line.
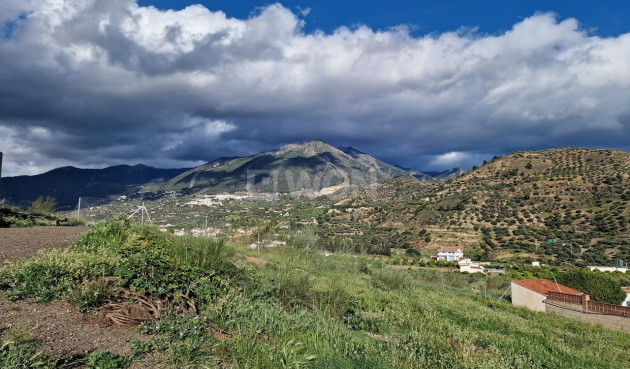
41,214
208,307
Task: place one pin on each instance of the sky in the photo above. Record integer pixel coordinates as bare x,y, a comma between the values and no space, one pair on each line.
425,85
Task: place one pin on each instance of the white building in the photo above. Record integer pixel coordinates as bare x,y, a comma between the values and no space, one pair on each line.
608,269
450,254
467,265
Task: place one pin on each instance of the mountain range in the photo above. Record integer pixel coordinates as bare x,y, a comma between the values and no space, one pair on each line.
67,184
311,166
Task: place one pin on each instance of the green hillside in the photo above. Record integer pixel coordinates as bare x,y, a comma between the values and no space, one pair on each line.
298,309
562,206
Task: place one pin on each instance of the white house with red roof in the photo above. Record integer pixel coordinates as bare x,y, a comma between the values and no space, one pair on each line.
532,292
450,254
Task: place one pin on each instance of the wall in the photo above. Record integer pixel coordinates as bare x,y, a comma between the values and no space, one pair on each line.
522,296
580,308
608,269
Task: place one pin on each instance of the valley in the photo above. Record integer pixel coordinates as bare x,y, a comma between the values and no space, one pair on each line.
559,207
227,277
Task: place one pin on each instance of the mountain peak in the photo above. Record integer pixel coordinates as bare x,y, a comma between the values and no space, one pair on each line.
351,151
307,148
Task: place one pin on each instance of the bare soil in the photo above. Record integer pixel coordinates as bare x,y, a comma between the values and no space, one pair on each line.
58,325
67,333
17,243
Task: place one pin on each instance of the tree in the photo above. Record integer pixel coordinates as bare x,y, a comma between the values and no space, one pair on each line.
599,286
43,206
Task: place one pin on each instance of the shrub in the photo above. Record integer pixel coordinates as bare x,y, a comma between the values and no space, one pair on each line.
412,252
54,275
393,278
43,206
106,360
201,252
294,287
333,298
142,258
600,287
91,295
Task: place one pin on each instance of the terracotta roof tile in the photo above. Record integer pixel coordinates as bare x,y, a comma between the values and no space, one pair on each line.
450,249
544,286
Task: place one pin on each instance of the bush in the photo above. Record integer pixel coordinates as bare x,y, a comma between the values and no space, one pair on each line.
294,288
141,258
106,360
54,275
201,252
43,206
412,252
91,295
393,278
599,286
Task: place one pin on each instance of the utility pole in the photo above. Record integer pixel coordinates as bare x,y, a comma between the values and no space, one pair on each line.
142,213
258,243
79,209
206,222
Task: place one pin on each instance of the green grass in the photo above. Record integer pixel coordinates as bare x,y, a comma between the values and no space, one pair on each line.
304,310
19,350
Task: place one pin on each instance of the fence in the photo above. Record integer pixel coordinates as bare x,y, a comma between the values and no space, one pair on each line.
579,307
563,297
587,305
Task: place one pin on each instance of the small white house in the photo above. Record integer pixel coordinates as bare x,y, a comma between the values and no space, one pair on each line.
450,254
467,265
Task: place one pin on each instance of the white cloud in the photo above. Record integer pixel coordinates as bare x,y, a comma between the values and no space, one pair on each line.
81,69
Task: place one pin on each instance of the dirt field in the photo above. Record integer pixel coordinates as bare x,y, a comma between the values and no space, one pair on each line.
17,243
64,330
58,325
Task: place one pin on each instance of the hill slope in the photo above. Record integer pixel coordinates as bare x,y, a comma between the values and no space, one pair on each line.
560,206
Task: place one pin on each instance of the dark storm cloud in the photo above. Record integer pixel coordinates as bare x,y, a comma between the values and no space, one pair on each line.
96,83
